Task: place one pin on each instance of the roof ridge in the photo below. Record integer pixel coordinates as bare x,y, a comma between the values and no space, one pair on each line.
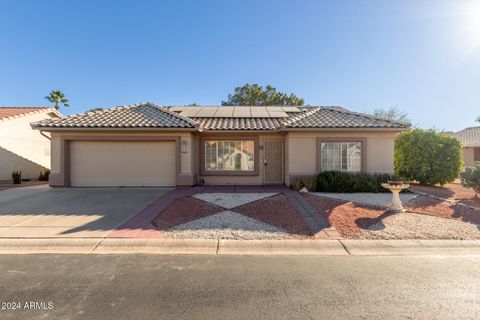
174,114
360,114
302,115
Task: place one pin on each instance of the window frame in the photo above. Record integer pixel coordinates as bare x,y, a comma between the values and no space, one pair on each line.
206,172
363,150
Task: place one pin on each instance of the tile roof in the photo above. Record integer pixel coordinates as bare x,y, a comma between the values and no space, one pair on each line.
143,115
338,117
233,124
469,136
149,115
16,112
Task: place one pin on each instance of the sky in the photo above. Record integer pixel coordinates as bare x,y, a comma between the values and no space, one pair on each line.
422,57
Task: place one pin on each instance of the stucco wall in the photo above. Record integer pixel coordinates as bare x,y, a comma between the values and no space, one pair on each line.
240,180
302,150
23,148
187,167
468,156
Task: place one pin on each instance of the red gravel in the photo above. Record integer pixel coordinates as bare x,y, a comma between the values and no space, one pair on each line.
451,191
183,210
276,211
348,219
444,209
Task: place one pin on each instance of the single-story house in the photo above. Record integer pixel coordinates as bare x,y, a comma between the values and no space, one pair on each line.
21,148
470,140
150,145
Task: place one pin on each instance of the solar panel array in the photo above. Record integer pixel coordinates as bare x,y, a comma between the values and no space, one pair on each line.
234,112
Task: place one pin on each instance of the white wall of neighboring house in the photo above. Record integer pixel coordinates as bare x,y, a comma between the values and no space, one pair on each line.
22,148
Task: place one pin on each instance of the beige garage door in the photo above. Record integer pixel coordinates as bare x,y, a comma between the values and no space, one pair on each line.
121,163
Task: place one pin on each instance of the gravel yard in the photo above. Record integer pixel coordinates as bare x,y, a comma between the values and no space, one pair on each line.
249,216
432,219
380,200
227,225
418,226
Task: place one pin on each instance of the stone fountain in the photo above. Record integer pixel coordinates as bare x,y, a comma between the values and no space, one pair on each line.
395,187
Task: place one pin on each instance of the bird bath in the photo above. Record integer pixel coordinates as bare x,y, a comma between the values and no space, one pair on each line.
395,187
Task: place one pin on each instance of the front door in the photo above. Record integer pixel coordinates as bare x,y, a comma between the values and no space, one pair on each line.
273,161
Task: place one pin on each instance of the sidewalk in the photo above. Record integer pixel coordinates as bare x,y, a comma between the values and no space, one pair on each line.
240,247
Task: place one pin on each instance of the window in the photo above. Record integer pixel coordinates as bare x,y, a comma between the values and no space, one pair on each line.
229,155
341,156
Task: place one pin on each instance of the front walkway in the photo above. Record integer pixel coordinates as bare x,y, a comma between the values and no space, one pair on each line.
257,212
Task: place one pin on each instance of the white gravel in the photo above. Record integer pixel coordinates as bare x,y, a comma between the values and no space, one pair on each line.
379,200
226,225
231,200
418,226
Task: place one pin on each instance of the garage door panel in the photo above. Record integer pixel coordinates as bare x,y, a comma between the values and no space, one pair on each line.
119,163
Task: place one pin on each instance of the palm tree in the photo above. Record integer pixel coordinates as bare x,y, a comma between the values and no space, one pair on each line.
478,119
57,97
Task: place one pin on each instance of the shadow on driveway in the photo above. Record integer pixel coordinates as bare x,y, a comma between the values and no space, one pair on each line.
70,212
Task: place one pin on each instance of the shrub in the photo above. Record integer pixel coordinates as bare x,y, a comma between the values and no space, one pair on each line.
43,176
428,157
17,177
347,182
309,182
471,177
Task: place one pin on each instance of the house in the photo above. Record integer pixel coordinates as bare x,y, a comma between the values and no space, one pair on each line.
149,145
470,140
22,148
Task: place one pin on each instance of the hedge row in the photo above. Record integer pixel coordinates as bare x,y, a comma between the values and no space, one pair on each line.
344,182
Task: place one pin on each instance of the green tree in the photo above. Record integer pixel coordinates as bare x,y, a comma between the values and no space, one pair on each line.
392,113
256,95
57,97
427,156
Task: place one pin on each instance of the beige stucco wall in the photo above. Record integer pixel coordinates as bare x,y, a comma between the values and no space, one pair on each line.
302,150
468,156
241,180
22,148
187,165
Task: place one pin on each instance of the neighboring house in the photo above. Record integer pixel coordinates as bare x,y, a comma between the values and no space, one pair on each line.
149,145
22,148
470,140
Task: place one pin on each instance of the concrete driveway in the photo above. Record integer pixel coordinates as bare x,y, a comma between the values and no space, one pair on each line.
41,211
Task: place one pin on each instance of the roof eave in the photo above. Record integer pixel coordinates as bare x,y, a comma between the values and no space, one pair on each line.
347,129
49,129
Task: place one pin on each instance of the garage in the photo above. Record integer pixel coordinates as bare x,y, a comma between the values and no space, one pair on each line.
122,163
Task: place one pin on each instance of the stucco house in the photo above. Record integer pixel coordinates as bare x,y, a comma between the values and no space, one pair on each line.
22,148
470,140
149,145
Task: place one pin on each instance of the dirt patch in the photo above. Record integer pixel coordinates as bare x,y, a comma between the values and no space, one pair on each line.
183,210
451,191
347,218
443,209
277,211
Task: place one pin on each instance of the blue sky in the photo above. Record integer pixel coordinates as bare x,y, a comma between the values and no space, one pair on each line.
420,56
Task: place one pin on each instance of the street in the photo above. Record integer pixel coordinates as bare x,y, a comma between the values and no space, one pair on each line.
238,287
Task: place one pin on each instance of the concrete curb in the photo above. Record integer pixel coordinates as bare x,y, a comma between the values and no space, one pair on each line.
411,247
48,245
157,246
281,247
239,247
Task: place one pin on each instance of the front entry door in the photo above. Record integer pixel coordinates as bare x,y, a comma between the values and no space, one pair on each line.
273,161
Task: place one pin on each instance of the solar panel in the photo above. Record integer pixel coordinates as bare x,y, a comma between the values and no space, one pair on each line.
206,112
190,111
242,112
224,112
291,109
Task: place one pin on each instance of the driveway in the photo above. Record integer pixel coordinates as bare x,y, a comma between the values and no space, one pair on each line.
41,211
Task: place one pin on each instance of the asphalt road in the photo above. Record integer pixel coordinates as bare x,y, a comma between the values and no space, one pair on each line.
239,287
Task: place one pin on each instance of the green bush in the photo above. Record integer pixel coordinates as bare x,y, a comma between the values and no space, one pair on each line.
428,157
43,176
17,177
309,182
347,182
471,177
